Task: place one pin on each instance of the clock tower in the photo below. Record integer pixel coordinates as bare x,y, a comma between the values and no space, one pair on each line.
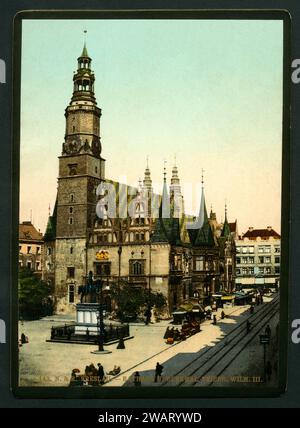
81,169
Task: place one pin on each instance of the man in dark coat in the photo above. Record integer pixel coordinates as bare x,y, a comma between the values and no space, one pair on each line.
100,373
248,326
268,330
158,372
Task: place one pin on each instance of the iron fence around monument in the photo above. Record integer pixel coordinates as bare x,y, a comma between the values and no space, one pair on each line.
66,333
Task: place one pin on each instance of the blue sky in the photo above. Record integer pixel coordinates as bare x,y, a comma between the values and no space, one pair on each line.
208,91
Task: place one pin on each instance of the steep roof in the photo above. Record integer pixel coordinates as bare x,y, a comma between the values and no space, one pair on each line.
226,229
205,236
84,53
233,227
167,227
50,233
201,234
27,232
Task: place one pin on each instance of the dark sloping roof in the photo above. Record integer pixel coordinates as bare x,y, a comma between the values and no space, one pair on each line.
233,226
263,233
28,232
205,236
167,229
226,229
50,233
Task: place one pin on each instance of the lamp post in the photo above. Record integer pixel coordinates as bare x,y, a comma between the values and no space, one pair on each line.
100,322
119,254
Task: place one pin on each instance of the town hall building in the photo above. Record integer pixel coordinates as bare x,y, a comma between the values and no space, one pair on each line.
132,235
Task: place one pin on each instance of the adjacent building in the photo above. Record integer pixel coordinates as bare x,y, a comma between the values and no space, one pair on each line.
30,247
258,258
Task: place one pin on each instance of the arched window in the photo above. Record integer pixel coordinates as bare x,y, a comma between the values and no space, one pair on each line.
137,268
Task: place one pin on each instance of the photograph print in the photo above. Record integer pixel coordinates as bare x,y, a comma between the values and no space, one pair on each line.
150,203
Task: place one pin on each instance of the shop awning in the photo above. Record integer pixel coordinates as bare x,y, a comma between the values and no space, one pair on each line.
227,297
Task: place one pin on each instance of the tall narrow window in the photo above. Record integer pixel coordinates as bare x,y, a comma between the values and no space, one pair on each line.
199,263
71,293
71,272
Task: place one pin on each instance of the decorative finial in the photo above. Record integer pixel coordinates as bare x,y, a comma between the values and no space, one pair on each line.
148,161
225,209
165,173
175,160
85,31
202,177
49,210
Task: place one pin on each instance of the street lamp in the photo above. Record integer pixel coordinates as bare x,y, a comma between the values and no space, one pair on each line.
100,322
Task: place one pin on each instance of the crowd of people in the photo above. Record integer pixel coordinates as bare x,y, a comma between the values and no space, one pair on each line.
92,376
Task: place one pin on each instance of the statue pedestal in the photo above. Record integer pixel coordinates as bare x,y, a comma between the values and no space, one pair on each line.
86,317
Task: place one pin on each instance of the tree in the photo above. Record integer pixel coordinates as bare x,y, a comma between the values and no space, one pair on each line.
35,299
132,300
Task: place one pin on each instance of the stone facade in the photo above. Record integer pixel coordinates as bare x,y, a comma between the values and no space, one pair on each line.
141,247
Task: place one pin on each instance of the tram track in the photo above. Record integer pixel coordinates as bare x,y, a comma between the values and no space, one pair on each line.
212,356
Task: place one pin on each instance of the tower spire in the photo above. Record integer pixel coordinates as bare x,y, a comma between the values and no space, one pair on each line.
226,229
147,182
82,114
84,53
175,192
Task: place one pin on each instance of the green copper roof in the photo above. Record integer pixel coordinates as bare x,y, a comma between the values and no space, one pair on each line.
226,229
202,234
205,236
167,227
84,52
50,233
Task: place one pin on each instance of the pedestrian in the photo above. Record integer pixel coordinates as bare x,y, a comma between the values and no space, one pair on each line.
214,320
158,372
137,379
268,330
222,315
23,338
251,309
269,370
248,326
52,333
87,334
69,334
166,335
100,373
